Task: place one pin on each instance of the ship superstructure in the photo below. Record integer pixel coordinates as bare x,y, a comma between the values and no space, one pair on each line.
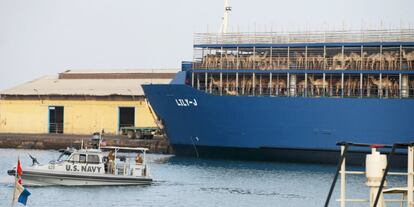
315,64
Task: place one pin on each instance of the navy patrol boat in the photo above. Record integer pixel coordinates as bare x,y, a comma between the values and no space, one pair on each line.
90,167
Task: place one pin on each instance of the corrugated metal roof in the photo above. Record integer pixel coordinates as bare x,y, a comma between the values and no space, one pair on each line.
123,71
144,74
51,85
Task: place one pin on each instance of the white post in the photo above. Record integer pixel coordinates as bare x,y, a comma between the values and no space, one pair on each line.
342,195
410,180
238,59
324,58
405,88
288,59
198,81
343,58
221,59
360,85
305,91
211,83
221,84
254,58
381,59
375,164
399,84
270,85
243,84
380,85
288,84
270,66
260,84
401,57
362,58
192,79
254,84
306,57
323,84
292,85
206,82
342,85
237,83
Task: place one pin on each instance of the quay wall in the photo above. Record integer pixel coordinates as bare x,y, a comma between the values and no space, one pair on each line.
158,144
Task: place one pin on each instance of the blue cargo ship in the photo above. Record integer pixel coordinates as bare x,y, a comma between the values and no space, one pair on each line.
289,96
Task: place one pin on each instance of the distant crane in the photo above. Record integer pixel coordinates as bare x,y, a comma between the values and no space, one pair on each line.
225,18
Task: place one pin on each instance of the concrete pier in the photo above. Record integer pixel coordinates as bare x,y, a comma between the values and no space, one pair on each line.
158,144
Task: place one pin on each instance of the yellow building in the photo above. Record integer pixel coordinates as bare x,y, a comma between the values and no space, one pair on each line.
80,102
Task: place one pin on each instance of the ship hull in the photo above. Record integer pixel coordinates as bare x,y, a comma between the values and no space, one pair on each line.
314,156
276,128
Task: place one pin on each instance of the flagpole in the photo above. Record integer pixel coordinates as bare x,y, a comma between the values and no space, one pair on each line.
15,181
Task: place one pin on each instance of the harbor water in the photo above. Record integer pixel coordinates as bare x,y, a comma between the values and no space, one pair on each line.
196,182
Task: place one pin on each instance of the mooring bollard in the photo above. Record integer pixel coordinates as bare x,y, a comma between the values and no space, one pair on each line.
375,166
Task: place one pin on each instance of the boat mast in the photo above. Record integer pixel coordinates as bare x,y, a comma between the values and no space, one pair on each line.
225,18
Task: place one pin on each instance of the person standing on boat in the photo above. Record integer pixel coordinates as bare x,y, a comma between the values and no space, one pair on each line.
111,162
138,159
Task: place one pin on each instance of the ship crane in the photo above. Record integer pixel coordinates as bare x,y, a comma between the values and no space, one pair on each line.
225,18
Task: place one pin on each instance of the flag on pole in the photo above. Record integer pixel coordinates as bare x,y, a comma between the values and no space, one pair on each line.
20,193
19,172
19,168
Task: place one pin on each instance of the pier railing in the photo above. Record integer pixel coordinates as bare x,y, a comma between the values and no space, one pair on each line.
396,35
377,169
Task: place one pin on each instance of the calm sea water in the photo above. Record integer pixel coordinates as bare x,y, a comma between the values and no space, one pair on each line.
194,182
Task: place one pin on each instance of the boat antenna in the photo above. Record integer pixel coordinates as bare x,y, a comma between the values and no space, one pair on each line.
225,18
100,138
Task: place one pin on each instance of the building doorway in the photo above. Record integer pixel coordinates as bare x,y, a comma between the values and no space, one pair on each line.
56,119
126,117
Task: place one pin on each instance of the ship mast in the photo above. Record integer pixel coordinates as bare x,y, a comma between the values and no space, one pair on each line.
225,18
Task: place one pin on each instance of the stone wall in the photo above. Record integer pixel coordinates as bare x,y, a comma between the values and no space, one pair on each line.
57,141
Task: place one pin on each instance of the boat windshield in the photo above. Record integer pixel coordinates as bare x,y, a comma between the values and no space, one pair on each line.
62,157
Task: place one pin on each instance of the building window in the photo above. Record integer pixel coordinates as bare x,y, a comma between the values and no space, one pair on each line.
126,117
56,119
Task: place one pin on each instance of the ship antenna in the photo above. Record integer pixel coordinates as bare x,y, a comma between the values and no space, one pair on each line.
225,18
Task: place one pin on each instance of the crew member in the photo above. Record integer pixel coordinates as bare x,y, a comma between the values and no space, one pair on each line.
138,159
111,162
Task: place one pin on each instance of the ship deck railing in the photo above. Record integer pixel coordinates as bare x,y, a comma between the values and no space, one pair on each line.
338,50
394,35
320,84
378,57
332,92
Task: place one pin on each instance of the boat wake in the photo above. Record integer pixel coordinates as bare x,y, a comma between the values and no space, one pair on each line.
249,192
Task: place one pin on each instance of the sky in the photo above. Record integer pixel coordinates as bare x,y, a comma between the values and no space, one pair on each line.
45,37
